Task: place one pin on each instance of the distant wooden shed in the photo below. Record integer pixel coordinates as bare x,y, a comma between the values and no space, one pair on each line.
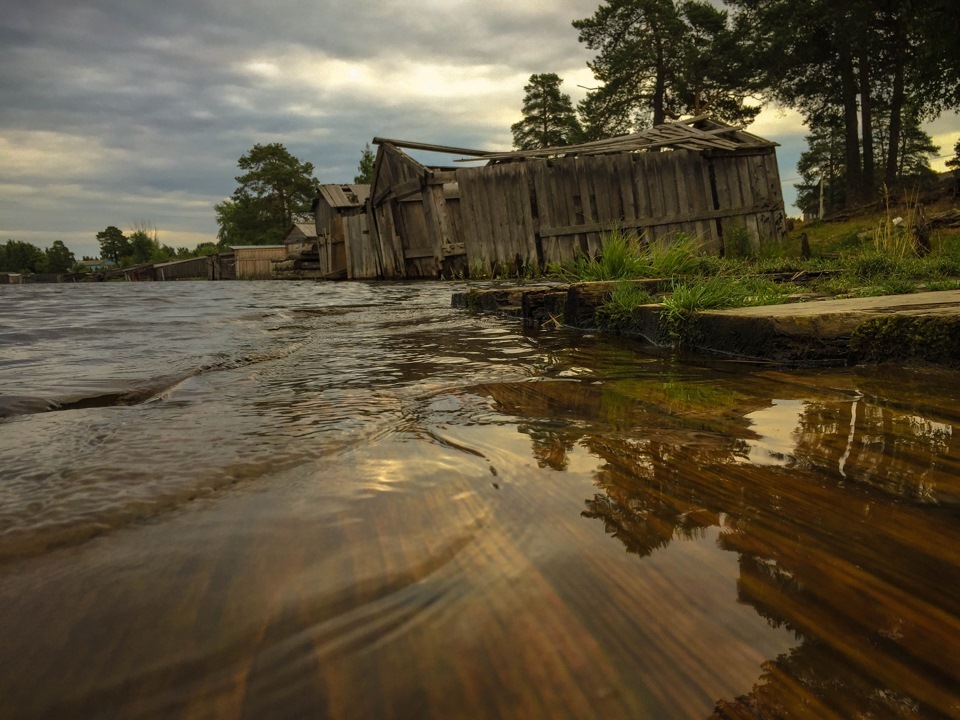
255,262
198,268
344,246
533,208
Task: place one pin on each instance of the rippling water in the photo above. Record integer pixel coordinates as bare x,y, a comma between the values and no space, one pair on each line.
286,500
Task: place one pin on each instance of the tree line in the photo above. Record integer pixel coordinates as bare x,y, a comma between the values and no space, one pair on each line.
142,245
864,74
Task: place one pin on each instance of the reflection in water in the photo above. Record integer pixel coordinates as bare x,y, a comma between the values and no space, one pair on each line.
776,427
356,502
865,573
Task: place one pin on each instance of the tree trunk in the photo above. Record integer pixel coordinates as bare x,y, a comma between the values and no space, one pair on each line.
851,136
896,106
866,123
660,88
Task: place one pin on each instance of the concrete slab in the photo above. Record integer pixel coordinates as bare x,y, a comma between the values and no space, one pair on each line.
922,326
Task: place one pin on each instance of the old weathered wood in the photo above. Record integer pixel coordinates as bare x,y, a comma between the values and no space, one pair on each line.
537,210
660,221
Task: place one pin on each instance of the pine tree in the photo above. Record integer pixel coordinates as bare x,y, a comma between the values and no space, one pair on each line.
662,59
549,119
365,168
276,189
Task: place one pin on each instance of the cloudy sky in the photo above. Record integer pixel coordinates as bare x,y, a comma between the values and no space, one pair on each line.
134,113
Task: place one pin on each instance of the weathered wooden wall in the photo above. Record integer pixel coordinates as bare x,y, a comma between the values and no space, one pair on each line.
547,211
361,248
255,262
531,213
497,219
200,268
415,218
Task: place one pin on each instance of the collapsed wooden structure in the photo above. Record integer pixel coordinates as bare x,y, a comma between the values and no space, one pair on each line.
528,209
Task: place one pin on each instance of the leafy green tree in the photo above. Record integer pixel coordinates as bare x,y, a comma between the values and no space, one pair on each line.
549,119
661,59
365,168
114,245
59,258
22,257
207,248
276,189
142,247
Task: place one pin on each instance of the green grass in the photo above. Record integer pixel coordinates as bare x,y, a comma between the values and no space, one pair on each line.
865,256
621,257
619,310
717,293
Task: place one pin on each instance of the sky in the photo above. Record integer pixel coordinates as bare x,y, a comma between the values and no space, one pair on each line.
135,113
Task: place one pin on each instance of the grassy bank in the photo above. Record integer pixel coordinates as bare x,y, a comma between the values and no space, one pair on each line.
869,255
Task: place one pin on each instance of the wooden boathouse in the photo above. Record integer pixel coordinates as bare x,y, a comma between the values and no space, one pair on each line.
344,245
528,209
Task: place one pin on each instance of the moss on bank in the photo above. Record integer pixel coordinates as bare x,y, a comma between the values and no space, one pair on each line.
933,338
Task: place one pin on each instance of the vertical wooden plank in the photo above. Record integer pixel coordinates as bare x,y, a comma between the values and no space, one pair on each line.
562,208
513,215
466,179
437,220
527,240
625,186
727,197
657,200
775,194
351,244
545,207
758,185
683,179
745,180
710,240
395,238
641,191
579,203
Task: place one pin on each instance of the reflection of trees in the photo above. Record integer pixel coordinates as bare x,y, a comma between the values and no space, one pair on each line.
861,576
866,579
646,521
551,443
902,453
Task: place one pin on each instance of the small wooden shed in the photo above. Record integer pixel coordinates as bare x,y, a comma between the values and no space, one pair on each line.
301,239
340,213
533,208
255,262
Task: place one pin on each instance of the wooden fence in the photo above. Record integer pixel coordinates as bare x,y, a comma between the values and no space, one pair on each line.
524,211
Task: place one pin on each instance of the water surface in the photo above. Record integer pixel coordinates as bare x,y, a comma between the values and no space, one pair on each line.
297,500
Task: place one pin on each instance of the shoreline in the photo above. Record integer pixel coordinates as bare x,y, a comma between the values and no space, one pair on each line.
922,326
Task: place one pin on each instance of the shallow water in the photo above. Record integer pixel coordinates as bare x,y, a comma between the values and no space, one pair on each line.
294,500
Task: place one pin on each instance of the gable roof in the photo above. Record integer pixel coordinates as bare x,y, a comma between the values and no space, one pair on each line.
344,196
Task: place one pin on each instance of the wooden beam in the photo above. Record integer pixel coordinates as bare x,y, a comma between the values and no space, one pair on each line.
410,145
654,221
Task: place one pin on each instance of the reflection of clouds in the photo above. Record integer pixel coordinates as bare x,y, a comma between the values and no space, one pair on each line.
777,427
